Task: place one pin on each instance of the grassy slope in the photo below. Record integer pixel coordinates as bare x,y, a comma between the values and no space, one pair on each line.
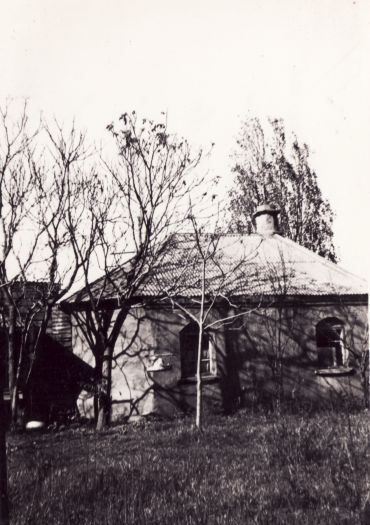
242,469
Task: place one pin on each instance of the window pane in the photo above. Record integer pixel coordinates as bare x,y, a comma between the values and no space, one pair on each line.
204,367
329,339
189,340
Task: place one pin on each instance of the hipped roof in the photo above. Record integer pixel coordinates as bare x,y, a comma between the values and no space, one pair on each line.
243,266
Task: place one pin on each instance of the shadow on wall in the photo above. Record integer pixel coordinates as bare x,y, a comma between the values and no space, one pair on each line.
279,356
270,356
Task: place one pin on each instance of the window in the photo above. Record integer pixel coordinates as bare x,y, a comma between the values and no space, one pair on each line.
330,343
189,338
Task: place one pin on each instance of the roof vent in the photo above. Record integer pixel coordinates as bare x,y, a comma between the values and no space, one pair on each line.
265,219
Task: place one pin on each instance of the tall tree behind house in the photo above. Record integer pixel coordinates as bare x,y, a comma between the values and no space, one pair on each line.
269,167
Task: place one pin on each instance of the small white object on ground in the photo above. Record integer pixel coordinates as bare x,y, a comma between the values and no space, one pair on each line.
35,425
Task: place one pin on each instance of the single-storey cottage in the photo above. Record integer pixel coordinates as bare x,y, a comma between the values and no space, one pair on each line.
289,325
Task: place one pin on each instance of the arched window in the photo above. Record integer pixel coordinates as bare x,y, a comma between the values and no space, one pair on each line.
330,343
189,337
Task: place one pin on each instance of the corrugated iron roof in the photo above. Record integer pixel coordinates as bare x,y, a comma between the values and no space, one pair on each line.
243,265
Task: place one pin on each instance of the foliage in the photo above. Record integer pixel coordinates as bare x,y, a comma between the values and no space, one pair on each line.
270,168
242,469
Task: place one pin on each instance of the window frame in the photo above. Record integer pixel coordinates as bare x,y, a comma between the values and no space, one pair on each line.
330,341
189,336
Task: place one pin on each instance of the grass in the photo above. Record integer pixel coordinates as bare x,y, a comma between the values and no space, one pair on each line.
243,469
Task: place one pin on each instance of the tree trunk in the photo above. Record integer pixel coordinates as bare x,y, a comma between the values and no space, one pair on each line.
199,406
98,373
14,399
104,390
198,416
14,406
13,391
4,507
105,384
365,376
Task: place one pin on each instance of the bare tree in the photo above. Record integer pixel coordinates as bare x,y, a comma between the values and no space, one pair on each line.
42,205
63,176
15,183
15,188
208,280
145,188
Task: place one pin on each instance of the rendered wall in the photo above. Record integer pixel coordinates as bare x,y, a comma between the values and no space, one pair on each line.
265,341
244,357
137,387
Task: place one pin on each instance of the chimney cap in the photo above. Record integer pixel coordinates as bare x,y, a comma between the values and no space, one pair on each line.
266,208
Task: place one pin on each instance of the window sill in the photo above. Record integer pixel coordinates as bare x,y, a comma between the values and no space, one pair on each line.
335,371
205,379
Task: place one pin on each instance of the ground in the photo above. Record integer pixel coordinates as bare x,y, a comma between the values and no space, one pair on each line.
246,468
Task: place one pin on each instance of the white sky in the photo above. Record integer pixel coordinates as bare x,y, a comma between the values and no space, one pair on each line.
209,64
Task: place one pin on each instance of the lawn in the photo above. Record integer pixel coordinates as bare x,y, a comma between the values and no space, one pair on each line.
242,469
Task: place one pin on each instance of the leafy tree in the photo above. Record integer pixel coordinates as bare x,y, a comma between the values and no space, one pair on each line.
271,168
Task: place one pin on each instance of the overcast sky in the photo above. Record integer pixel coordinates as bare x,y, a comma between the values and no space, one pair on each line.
209,64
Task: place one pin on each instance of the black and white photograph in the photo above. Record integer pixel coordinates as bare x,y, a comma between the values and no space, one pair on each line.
184,262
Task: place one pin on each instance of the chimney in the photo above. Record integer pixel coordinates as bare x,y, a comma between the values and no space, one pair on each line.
265,219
